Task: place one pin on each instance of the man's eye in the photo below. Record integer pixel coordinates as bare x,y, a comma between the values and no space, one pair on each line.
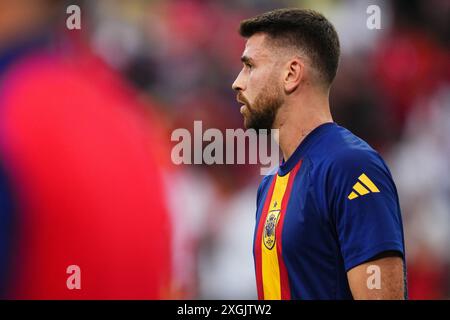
248,65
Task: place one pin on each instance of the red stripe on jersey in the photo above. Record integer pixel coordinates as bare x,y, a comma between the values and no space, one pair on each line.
284,279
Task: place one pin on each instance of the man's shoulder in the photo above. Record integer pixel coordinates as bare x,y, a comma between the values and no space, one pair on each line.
341,147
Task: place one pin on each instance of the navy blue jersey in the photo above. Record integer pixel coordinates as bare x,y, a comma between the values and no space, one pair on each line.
331,206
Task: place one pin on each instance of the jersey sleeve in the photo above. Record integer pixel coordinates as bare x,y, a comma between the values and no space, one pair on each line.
364,207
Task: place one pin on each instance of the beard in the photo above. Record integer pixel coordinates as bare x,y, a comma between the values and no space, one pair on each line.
261,114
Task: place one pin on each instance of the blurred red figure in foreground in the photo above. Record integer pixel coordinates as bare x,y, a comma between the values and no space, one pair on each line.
80,183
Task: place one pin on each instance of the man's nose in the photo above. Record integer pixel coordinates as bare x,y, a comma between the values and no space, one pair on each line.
238,83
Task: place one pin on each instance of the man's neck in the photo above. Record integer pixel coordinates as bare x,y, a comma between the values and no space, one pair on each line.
295,122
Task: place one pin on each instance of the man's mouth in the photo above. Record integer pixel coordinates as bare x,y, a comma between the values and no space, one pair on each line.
243,105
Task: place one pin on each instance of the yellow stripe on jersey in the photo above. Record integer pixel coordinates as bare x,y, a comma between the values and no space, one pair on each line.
352,195
270,266
365,179
360,189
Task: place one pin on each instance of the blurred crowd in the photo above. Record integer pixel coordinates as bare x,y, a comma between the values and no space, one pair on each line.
392,89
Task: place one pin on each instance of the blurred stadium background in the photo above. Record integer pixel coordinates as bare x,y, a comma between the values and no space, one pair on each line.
392,89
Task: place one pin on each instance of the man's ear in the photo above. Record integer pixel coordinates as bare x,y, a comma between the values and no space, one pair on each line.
294,73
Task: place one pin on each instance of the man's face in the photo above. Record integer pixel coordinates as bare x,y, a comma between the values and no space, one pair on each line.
258,85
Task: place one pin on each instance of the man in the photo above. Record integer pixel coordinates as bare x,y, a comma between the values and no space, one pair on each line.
328,222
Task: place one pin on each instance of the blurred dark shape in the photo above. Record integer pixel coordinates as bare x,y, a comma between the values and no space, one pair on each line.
429,16
356,105
140,72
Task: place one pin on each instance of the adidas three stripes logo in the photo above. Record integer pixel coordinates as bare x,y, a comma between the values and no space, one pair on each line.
363,186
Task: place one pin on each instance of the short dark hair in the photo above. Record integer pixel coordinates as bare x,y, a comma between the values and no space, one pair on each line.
307,30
